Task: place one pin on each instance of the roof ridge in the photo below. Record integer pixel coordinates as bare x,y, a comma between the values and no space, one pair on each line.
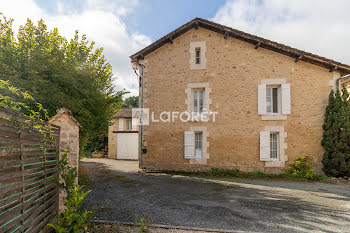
247,37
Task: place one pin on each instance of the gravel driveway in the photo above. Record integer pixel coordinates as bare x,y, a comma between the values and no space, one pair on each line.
120,193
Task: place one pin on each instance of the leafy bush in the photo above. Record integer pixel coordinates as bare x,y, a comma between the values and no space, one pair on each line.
60,72
74,218
302,168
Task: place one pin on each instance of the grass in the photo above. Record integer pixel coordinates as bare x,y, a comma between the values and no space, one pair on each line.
235,173
83,177
120,178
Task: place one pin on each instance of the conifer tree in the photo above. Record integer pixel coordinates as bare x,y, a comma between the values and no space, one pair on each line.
336,135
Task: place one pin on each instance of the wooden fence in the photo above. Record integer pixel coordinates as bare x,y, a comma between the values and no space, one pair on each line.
28,194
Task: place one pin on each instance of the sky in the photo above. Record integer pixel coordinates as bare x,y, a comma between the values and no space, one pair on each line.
123,27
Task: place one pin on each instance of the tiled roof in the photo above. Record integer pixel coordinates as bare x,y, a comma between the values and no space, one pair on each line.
123,113
298,55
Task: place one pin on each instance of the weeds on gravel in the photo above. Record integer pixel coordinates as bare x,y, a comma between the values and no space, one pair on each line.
143,223
259,174
83,177
235,173
224,172
121,178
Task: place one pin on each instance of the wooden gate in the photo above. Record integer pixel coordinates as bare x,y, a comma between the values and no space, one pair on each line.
28,194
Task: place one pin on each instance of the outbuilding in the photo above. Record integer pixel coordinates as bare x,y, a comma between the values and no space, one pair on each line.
123,136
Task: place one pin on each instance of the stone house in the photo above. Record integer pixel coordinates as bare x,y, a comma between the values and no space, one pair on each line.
269,100
123,136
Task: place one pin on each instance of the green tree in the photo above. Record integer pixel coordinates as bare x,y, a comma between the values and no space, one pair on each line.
60,73
131,102
336,135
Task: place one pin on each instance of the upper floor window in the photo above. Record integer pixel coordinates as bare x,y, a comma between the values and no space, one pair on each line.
273,99
198,55
198,60
198,100
128,124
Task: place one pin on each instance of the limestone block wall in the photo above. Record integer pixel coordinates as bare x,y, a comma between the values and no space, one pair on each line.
234,69
112,139
69,139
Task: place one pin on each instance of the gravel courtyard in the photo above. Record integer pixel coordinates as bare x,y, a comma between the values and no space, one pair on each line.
119,193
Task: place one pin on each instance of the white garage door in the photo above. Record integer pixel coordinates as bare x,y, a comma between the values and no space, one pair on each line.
127,146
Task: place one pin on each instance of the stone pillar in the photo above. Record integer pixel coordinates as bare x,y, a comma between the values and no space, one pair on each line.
69,139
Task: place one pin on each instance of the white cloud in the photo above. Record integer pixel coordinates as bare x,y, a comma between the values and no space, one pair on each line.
320,27
102,22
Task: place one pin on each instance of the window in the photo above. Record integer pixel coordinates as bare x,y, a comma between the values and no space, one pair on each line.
198,101
198,55
198,144
128,124
198,60
274,145
273,100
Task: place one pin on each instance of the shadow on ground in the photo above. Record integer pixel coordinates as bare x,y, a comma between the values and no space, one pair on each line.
246,205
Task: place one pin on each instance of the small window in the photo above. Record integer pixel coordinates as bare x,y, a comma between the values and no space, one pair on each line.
274,145
128,124
273,100
198,101
198,55
198,144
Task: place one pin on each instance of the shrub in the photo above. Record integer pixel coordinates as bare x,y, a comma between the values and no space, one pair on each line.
336,135
74,218
301,168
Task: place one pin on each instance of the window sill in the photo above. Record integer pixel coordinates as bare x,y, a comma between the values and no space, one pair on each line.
192,157
274,117
275,163
198,67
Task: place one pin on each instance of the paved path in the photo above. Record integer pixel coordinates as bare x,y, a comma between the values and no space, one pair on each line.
119,193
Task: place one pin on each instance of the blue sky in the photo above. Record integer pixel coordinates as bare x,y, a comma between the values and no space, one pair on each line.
164,15
169,15
122,27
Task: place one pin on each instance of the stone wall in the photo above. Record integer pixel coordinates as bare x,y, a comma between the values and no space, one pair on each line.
69,139
234,69
112,139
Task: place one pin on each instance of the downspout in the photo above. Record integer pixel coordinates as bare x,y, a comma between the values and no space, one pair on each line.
141,120
338,79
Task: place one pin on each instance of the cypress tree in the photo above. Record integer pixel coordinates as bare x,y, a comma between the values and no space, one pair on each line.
336,135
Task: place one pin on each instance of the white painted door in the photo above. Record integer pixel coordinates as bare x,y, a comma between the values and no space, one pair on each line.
127,146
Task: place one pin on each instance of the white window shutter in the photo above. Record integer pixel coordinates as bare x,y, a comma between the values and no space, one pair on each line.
121,124
286,109
264,146
262,99
189,144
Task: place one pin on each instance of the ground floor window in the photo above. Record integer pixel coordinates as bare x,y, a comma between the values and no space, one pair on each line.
274,145
199,143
